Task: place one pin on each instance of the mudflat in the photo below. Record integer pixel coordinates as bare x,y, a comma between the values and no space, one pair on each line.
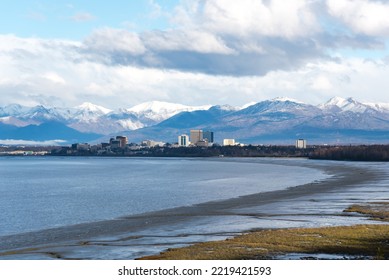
58,242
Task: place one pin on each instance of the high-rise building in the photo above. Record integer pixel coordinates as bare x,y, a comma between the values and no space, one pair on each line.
301,144
123,141
196,135
208,135
183,140
228,142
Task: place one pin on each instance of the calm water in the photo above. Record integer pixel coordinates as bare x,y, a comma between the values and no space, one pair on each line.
39,193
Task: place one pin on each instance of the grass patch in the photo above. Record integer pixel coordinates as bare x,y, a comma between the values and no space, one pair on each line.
360,240
367,240
375,210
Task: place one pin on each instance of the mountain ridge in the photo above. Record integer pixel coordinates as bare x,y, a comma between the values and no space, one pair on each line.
269,121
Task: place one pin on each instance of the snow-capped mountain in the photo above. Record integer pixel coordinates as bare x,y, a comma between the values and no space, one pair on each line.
281,120
12,110
270,121
339,104
158,111
88,112
89,117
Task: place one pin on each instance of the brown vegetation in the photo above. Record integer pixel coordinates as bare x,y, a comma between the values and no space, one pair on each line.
369,241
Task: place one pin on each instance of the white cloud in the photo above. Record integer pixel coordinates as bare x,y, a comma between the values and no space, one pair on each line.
41,71
83,17
286,19
54,78
362,16
109,40
180,40
221,52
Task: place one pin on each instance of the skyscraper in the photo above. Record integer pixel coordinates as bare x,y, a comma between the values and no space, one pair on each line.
208,135
301,144
229,142
196,136
123,141
183,140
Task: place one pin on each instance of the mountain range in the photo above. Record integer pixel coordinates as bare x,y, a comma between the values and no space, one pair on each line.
276,121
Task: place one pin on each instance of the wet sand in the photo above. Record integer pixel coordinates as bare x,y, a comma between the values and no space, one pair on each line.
148,233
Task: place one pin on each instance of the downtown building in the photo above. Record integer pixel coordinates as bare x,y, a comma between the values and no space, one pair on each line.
196,135
183,140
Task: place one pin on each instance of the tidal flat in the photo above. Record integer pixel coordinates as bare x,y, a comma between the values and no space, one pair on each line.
298,208
343,242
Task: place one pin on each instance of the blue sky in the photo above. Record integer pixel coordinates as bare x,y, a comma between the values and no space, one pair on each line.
194,52
77,19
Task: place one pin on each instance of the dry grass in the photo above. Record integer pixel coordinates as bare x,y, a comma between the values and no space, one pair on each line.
366,240
360,240
375,210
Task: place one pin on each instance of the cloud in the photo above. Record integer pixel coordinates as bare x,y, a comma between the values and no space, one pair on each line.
362,16
226,37
83,17
54,78
62,73
286,19
201,51
215,52
181,40
247,37
109,41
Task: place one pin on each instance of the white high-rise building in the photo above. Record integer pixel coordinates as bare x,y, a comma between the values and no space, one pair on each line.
183,140
301,144
228,142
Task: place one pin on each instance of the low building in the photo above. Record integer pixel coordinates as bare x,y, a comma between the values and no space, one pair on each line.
301,144
202,143
81,146
229,142
115,144
151,143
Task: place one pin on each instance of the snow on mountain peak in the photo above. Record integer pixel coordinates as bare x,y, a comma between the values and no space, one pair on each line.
87,106
336,101
156,106
285,99
345,104
158,110
381,107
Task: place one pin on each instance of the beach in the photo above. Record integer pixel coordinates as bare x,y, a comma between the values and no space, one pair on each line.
319,203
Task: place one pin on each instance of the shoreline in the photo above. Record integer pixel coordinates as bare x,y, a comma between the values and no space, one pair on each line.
116,232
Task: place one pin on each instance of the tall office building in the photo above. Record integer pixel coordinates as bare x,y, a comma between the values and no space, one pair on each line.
229,142
208,135
196,136
301,144
183,140
123,141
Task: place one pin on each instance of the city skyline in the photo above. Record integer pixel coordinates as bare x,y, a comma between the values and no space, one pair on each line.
192,52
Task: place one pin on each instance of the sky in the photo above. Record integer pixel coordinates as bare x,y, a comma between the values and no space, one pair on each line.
120,53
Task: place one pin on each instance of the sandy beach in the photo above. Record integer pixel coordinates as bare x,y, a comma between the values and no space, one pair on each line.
316,203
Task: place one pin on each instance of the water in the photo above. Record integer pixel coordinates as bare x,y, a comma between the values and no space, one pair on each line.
40,193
